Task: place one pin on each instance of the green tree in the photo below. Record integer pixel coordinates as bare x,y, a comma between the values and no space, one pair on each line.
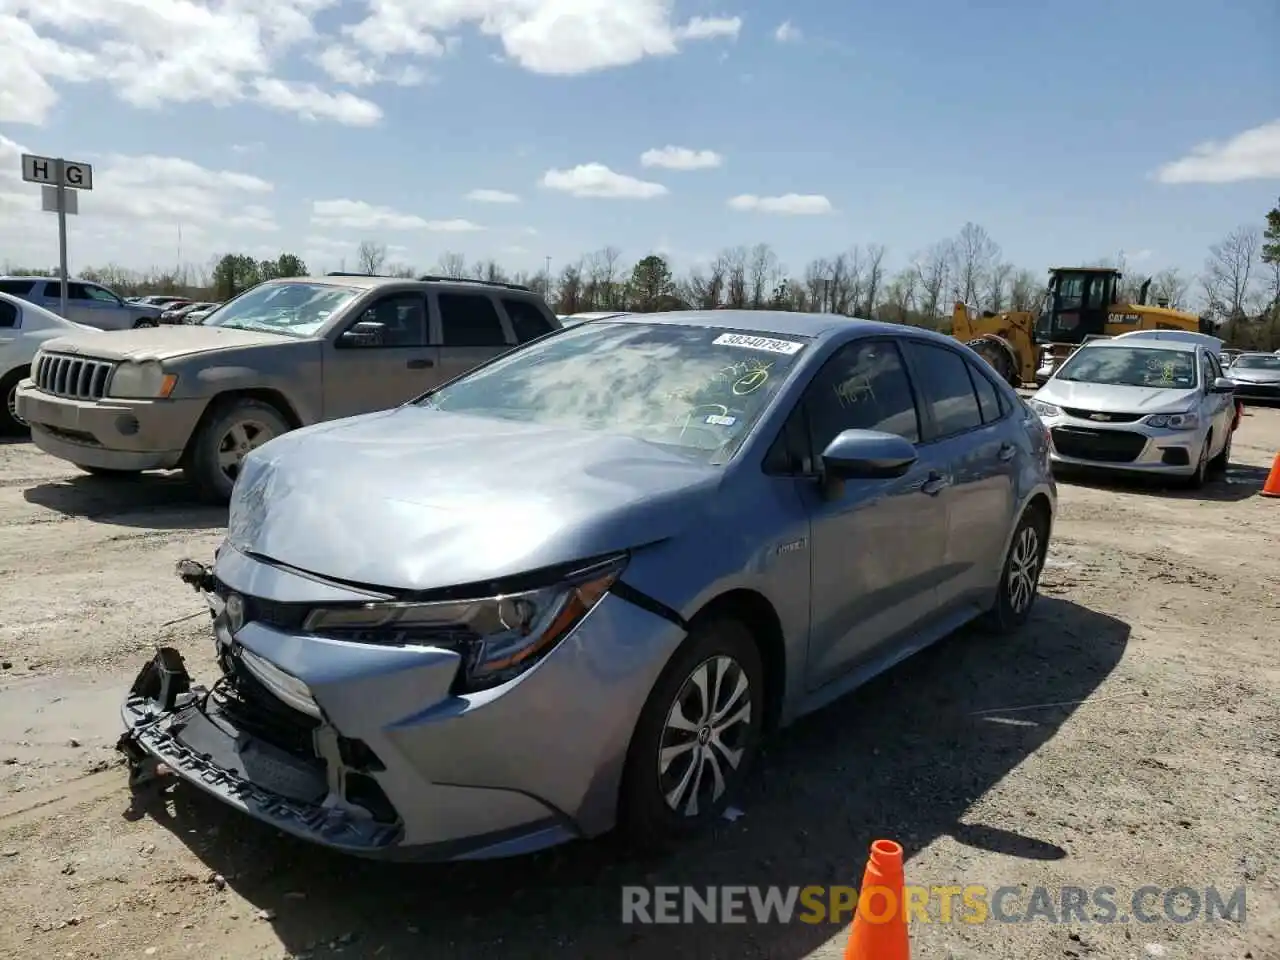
234,273
650,282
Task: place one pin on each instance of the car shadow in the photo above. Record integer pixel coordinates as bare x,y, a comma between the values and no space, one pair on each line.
1240,482
905,758
158,501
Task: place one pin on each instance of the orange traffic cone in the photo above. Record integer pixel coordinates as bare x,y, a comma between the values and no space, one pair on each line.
1272,487
879,929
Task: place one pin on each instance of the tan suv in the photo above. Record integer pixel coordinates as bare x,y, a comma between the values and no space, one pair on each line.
284,354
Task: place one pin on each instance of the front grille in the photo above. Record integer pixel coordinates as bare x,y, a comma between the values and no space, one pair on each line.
76,378
1108,417
1104,446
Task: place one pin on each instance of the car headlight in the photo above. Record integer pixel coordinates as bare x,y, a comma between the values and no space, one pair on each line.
1174,421
1044,409
142,381
498,637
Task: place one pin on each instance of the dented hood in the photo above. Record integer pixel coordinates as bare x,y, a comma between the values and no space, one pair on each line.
416,499
163,343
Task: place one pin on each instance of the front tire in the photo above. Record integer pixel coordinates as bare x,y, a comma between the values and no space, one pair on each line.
1020,580
227,436
1218,465
697,736
1198,478
142,322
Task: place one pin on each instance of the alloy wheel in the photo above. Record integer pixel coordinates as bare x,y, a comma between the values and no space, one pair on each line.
705,735
1024,568
243,438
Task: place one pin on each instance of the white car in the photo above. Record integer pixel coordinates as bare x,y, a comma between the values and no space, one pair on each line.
23,328
1141,405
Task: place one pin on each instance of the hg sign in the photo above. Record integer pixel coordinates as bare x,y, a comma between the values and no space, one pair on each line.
78,176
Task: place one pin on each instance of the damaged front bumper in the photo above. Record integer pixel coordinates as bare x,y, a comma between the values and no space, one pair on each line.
364,748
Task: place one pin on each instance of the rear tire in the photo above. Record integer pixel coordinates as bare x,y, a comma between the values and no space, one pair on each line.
10,425
1020,578
685,744
230,431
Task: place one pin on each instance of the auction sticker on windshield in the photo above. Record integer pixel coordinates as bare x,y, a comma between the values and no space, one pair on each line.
787,347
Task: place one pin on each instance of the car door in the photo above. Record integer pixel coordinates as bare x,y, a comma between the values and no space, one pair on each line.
107,311
392,367
80,307
1219,407
969,434
468,332
876,545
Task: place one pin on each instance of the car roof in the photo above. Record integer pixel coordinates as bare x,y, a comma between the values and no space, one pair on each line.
815,326
1150,343
1206,340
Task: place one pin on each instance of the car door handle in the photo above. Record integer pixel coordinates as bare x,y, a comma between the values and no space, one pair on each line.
1007,451
935,484
420,364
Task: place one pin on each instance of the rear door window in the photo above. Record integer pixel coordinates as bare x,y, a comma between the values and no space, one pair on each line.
943,377
527,321
989,404
16,288
469,320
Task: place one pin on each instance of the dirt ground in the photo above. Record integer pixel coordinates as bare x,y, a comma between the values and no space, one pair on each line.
1130,735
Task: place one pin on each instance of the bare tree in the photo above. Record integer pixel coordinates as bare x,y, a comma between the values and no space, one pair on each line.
996,294
1026,292
452,265
762,274
874,276
934,269
371,256
735,278
973,253
1169,288
704,290
900,296
1228,277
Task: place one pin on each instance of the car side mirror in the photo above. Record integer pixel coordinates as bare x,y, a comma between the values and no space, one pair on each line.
867,455
363,334
1223,385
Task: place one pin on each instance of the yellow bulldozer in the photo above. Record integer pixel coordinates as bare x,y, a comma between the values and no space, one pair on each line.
1081,304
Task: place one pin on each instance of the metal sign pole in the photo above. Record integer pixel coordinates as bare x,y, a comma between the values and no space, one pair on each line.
60,174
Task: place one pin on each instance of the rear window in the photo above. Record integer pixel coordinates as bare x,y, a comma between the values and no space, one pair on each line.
16,288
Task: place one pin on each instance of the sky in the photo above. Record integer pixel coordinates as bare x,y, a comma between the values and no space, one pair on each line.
530,129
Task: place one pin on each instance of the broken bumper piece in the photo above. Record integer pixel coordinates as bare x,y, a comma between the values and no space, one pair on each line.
174,725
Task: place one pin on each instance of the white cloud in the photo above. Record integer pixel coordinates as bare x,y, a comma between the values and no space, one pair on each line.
149,53
598,181
358,215
681,158
137,210
492,196
794,204
311,103
709,28
787,32
1251,155
543,36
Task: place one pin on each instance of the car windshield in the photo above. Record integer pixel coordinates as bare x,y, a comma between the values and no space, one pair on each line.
1132,367
694,389
1262,362
293,309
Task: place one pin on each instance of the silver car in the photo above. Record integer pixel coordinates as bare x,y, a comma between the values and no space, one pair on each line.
571,589
88,303
1158,406
1256,376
